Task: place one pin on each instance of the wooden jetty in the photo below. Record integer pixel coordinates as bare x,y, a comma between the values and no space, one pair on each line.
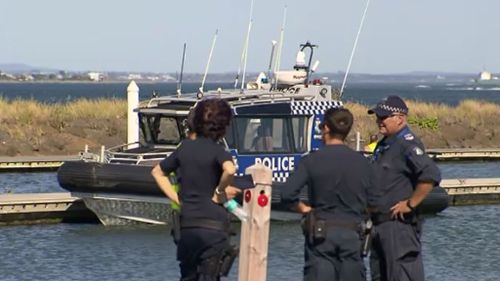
32,208
464,154
34,163
472,191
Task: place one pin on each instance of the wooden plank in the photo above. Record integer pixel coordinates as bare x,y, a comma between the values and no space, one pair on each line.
464,153
30,163
36,198
28,208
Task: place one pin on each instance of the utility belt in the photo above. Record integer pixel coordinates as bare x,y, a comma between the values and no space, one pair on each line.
178,224
315,229
205,223
409,218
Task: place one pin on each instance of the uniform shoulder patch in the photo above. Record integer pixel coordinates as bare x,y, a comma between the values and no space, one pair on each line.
418,150
409,137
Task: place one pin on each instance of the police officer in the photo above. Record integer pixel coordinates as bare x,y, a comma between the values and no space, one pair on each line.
206,170
403,176
337,179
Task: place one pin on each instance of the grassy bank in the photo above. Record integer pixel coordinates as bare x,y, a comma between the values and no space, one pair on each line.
28,127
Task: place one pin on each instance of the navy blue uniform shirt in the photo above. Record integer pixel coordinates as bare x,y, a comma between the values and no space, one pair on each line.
200,163
399,163
337,179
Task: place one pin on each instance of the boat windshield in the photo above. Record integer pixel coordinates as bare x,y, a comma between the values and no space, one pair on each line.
160,129
268,134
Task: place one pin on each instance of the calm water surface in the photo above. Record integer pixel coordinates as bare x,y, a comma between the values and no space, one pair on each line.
460,243
367,93
47,182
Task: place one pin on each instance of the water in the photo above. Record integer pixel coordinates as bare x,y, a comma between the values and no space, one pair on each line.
367,93
460,243
65,92
29,182
47,181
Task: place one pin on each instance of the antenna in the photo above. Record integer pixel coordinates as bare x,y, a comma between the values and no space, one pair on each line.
246,47
354,49
200,90
271,59
179,82
278,55
244,52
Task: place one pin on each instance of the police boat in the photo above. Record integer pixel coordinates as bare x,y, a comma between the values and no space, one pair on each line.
273,124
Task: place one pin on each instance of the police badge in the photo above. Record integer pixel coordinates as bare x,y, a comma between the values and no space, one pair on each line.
418,151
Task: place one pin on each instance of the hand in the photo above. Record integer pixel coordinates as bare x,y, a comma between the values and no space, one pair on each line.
219,197
400,209
302,208
232,191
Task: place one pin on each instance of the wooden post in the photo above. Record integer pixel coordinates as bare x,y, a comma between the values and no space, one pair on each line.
254,238
132,117
101,155
358,141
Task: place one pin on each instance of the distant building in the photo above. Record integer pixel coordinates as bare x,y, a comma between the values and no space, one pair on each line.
133,76
168,77
26,77
7,76
95,76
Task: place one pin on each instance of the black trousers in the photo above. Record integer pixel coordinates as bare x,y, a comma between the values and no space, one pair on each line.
336,258
396,253
195,247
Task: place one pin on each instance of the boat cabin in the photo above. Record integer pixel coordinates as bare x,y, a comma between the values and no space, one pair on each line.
272,128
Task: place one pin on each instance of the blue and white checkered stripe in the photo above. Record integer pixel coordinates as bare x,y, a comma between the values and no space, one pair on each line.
277,176
313,107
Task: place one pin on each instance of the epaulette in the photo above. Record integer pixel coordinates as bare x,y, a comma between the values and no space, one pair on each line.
409,137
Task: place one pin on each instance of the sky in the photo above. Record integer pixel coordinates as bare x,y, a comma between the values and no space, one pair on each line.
398,36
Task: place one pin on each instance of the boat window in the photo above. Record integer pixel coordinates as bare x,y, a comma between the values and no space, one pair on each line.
145,133
230,136
299,129
263,135
160,129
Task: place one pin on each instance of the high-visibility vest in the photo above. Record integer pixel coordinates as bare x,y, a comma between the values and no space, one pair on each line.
176,186
371,146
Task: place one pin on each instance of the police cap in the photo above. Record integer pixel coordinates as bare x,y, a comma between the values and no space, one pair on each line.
389,106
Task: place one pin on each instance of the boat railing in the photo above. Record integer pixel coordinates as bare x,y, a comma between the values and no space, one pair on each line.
238,98
138,156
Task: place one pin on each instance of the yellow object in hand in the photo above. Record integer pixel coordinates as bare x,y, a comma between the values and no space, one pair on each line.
177,187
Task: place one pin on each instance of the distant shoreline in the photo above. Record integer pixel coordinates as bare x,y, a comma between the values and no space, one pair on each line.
86,82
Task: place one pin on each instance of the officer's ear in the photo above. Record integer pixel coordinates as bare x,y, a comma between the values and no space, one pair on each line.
326,129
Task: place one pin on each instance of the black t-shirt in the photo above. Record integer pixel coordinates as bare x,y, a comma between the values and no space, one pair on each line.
338,180
200,164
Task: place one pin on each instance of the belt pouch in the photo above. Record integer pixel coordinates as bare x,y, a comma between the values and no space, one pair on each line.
319,230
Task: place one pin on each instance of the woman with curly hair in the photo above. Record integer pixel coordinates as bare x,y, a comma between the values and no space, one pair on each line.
207,169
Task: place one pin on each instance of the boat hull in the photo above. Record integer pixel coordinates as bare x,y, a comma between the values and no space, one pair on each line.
127,194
